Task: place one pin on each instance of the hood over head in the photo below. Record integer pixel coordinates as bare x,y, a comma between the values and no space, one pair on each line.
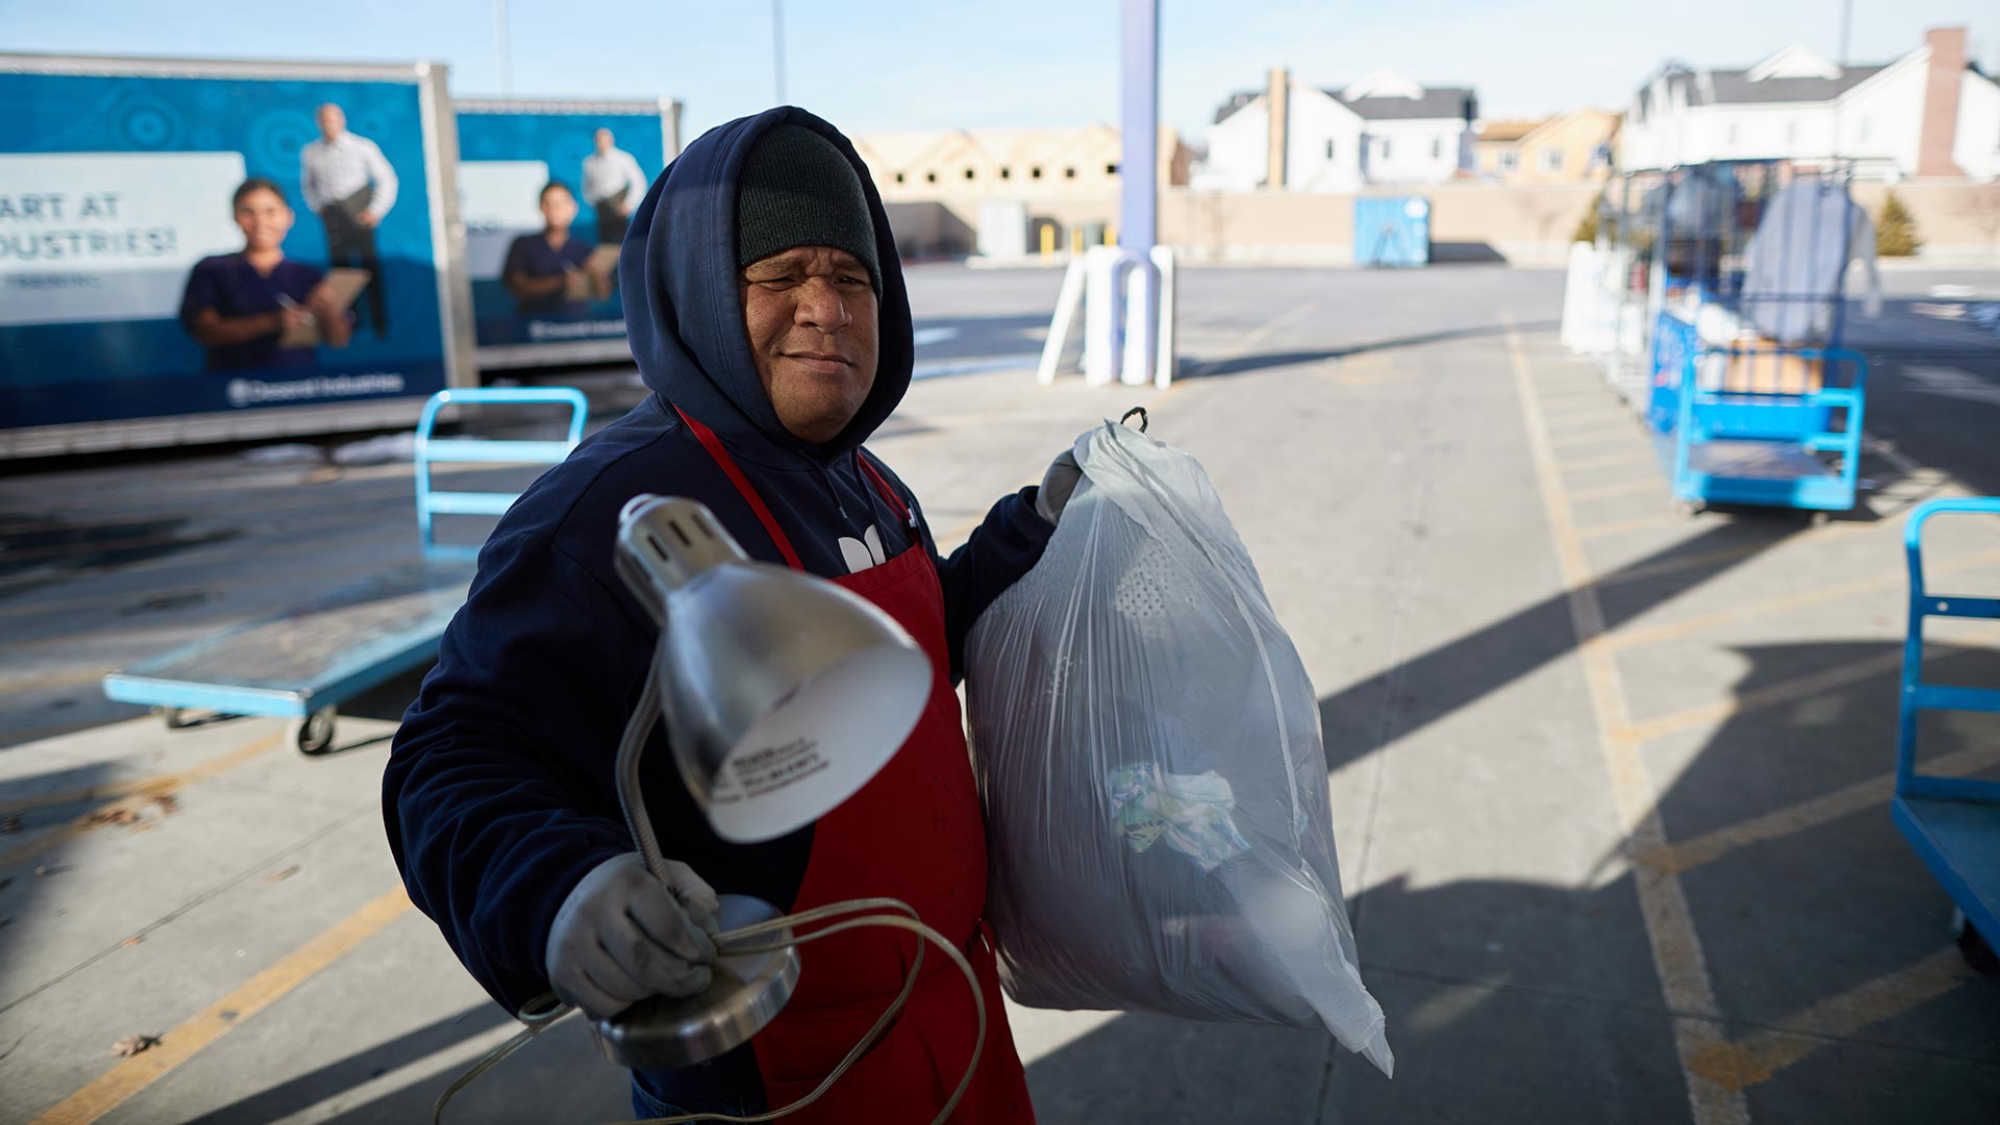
677,274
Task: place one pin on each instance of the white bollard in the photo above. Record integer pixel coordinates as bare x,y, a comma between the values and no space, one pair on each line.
1128,318
1137,368
1103,270
1580,296
1167,306
1063,323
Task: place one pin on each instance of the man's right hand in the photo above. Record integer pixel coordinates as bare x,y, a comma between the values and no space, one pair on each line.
625,934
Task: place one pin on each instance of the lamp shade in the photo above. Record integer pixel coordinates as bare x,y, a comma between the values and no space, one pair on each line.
782,693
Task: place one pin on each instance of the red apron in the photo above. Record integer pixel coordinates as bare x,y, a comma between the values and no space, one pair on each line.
915,832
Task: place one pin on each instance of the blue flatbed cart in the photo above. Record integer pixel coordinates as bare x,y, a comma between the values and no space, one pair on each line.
1752,398
1756,447
302,664
1952,822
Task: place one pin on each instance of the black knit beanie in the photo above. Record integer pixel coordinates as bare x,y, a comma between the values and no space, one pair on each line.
796,189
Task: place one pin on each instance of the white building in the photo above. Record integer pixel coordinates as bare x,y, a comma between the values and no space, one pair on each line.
1383,129
1931,112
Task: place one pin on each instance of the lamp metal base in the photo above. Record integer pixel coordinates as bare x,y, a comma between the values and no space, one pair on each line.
749,989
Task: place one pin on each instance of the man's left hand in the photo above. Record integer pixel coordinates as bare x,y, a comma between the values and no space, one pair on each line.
1057,485
369,219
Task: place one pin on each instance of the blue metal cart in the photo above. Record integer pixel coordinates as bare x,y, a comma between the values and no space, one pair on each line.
1952,822
1788,450
1752,400
304,663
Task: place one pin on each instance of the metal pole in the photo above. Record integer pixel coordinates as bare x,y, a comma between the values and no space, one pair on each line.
1139,126
1846,24
500,47
1139,196
778,46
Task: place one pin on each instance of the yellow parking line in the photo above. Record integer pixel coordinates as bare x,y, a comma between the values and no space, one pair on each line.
1600,406
1754,1059
1725,554
182,1043
145,786
1772,695
1793,690
141,788
1686,562
1628,488
1676,947
1643,523
1825,809
1608,435
40,680
1612,461
1621,639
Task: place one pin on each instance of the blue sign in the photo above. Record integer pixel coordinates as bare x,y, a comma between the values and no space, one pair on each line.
187,245
1392,231
521,171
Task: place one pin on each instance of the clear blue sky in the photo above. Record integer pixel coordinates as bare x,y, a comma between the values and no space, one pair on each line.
914,64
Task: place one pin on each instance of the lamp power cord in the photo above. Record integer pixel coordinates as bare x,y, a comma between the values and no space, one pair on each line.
545,1012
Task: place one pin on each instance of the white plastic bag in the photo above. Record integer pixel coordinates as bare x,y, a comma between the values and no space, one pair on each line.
1149,753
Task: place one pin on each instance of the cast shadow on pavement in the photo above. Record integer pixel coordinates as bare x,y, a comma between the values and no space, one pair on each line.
43,548
962,337
410,1103
1192,368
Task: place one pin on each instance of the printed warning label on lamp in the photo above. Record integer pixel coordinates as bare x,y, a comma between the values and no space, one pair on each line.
759,773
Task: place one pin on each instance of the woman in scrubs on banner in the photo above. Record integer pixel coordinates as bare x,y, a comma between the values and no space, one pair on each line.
239,306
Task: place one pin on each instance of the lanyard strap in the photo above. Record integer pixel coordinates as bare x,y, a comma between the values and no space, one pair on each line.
728,465
896,504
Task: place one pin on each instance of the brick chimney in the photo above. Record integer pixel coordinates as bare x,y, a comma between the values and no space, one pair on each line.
1278,98
1942,83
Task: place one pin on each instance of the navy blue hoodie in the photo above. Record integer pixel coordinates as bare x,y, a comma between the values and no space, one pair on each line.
499,793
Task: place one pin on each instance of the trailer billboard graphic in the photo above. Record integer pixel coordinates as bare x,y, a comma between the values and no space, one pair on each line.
546,196
175,245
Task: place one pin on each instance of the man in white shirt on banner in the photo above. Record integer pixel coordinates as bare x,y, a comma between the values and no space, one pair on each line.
348,183
613,184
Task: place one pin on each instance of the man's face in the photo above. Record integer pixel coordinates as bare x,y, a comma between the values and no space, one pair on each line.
332,122
603,139
558,208
264,219
810,313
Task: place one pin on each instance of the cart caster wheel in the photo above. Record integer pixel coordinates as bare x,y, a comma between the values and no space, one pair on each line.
1821,519
1977,953
1690,508
175,717
314,733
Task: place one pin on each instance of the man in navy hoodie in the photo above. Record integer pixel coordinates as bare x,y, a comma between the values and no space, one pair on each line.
767,313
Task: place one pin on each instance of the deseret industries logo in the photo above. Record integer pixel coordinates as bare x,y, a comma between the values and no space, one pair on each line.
256,392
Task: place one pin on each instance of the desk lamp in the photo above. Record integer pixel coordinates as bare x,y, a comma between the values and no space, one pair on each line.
782,694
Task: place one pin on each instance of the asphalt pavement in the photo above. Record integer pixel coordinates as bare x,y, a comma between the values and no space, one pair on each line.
1609,780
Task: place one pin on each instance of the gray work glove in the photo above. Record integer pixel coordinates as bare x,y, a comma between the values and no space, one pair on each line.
1057,485
624,934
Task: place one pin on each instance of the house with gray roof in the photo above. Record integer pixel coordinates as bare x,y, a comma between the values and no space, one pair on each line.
1932,112
1382,129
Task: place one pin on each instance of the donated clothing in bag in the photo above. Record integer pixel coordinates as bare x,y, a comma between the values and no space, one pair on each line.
1797,275
1149,753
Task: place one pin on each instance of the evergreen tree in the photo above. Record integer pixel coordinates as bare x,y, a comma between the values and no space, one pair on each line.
1586,227
1896,230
